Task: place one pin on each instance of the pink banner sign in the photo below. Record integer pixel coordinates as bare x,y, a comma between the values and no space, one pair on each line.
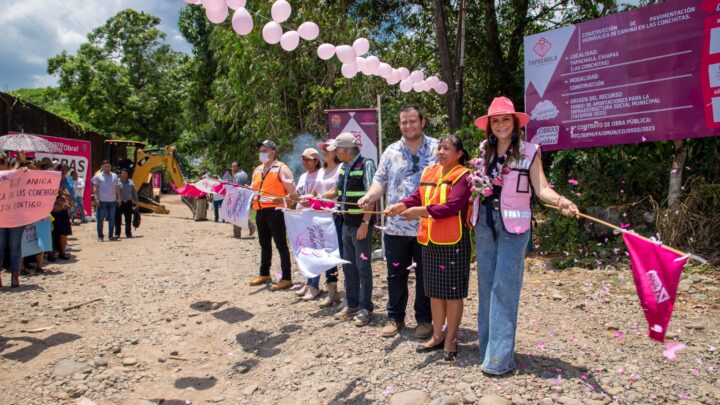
77,155
361,122
26,196
648,74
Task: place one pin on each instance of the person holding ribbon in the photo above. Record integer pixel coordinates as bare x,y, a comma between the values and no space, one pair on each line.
273,182
514,171
441,204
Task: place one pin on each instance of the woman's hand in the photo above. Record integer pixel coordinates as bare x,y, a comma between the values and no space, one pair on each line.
568,207
362,231
413,213
395,209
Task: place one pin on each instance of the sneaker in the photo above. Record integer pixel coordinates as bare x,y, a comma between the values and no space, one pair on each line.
282,285
363,318
346,313
100,239
301,292
260,280
424,330
312,294
392,328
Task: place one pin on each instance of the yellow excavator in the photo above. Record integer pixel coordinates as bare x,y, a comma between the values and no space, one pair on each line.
141,163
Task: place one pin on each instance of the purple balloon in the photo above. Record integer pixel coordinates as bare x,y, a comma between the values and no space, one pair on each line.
217,16
326,51
242,21
272,32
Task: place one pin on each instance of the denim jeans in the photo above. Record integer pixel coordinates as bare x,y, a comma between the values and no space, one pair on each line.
358,273
331,274
79,208
11,239
500,266
400,251
216,209
106,211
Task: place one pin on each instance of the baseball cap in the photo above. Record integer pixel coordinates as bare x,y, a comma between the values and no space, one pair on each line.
344,140
311,153
268,144
323,145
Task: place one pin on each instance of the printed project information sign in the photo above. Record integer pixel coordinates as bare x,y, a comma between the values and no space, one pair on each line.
648,74
361,122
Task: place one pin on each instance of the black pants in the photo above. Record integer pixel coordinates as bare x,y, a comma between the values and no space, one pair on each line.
124,210
271,226
400,252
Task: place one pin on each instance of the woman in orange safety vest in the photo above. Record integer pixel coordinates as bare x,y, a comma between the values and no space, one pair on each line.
441,204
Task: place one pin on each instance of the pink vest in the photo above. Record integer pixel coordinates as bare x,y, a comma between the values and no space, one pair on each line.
517,190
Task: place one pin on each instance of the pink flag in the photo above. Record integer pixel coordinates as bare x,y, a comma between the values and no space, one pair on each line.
657,273
188,191
319,204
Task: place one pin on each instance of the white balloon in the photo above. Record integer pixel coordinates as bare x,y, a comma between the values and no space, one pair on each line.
290,40
384,70
242,21
441,88
235,4
349,70
272,32
326,51
361,46
419,87
214,5
404,73
308,30
345,53
217,16
406,86
372,63
417,76
280,11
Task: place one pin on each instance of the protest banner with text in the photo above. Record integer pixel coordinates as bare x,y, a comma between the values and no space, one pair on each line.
26,196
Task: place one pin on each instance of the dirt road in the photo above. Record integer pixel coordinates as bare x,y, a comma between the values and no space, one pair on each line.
169,315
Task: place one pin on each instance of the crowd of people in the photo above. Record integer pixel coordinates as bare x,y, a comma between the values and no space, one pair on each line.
433,205
49,235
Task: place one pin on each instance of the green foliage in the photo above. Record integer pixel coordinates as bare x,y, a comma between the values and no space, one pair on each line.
124,81
50,99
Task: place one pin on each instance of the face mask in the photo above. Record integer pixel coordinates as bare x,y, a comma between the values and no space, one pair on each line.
264,157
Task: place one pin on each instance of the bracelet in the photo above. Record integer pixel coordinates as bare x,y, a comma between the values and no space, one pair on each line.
557,203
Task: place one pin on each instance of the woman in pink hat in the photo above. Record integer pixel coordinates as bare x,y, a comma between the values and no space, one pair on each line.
510,170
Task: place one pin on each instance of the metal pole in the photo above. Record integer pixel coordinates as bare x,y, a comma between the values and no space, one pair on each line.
380,151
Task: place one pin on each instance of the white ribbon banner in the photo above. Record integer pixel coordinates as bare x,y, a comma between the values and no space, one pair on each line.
314,241
236,205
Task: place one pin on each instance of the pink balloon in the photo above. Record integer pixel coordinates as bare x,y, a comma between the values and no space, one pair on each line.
308,30
235,4
280,11
406,86
242,21
360,61
427,86
349,70
384,70
372,63
394,77
193,1
217,16
290,40
214,4
346,54
326,51
404,73
441,88
272,32
419,87
361,46
432,81
417,76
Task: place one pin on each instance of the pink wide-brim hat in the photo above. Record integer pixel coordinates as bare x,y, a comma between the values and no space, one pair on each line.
501,106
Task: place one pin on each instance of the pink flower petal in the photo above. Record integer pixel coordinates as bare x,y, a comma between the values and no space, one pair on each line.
362,256
671,350
624,226
573,182
395,264
442,267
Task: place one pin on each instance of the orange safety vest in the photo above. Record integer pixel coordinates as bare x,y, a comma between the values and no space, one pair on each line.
434,189
269,185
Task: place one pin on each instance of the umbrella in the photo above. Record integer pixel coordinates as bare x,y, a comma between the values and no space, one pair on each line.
28,143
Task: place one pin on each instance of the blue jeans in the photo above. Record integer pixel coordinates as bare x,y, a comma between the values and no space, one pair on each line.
78,208
500,274
331,274
216,209
400,251
358,273
11,238
106,211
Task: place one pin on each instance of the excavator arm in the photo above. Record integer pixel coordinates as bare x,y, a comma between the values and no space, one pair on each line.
151,160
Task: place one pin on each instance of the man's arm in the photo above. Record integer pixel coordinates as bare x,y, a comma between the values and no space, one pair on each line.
286,177
379,184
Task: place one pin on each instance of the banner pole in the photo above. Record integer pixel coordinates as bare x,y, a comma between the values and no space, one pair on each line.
380,151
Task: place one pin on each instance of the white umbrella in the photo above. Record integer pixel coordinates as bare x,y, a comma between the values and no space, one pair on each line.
28,143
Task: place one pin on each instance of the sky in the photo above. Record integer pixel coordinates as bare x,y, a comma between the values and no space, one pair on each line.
35,30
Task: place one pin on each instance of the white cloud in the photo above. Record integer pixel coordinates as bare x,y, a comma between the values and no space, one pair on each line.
35,30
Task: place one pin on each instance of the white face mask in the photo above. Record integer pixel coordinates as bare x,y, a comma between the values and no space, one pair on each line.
264,157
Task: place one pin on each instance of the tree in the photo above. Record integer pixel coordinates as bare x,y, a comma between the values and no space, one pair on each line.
124,81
